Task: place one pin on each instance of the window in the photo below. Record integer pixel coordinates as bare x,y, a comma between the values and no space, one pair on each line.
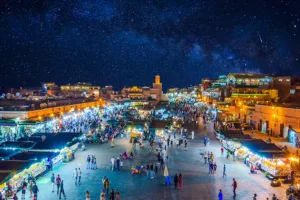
288,79
280,79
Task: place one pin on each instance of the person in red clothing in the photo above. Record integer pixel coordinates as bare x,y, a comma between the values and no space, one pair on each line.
234,185
58,180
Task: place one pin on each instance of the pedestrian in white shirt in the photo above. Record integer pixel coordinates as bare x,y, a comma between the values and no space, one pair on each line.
112,163
193,134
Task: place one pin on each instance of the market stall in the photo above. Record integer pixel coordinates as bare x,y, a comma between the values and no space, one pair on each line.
67,154
18,145
135,135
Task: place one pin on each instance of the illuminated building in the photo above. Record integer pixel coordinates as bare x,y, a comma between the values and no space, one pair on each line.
80,89
249,79
276,119
145,93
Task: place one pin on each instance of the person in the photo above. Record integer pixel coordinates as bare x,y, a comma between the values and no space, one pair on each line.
112,142
15,197
30,189
212,156
79,176
112,163
224,171
88,162
176,180
112,195
193,134
52,179
35,190
228,154
118,197
274,197
58,180
205,157
235,154
222,150
23,192
87,195
118,163
75,175
255,197
24,187
103,182
185,145
102,195
234,185
180,180
155,170
62,190
220,195
121,164
215,167
107,185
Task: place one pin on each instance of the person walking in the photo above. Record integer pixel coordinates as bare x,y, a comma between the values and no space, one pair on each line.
117,195
30,186
75,175
102,195
234,185
222,150
255,197
88,162
112,160
52,179
220,195
35,190
103,182
180,180
205,157
79,176
87,195
107,185
224,171
176,180
112,195
185,145
58,180
155,170
193,134
62,189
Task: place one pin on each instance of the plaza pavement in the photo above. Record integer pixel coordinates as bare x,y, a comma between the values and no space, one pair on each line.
197,183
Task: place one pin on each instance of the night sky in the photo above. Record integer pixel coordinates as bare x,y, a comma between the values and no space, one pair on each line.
127,42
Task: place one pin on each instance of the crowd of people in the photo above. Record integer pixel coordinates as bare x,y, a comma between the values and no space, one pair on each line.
182,113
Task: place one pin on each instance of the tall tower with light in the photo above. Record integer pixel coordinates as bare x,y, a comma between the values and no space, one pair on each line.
158,86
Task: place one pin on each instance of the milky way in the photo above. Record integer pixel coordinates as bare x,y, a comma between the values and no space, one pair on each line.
127,42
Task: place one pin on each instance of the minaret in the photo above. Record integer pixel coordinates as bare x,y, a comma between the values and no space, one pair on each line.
158,85
157,79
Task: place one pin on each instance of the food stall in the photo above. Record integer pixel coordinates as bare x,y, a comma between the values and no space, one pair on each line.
242,153
18,145
135,135
275,163
67,154
231,145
